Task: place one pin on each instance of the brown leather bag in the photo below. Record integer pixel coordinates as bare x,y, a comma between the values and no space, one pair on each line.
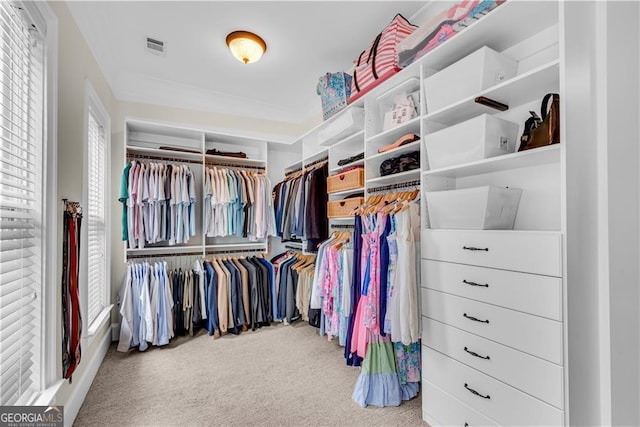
542,132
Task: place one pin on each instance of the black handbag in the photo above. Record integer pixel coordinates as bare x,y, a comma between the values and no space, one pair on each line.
403,163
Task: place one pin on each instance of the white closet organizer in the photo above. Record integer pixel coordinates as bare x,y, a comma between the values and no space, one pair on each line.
496,354
153,141
493,326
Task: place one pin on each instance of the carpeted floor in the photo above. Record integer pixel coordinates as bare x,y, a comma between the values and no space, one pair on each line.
276,376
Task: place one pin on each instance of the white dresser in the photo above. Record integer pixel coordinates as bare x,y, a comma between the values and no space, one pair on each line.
492,327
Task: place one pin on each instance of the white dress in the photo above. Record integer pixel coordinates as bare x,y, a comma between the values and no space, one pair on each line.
405,320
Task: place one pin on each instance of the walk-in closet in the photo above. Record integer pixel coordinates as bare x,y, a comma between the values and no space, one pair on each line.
320,213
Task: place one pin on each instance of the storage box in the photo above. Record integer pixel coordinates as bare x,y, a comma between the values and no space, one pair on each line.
346,181
347,123
472,74
343,208
479,208
475,139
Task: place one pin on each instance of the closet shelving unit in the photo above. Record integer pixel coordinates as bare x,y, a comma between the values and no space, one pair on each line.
526,378
143,141
495,354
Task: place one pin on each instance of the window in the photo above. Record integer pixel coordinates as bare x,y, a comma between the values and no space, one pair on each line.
98,125
22,171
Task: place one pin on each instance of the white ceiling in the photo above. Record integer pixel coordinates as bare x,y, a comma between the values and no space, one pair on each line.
305,39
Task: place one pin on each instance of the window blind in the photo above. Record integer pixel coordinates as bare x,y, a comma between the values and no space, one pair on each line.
96,230
21,202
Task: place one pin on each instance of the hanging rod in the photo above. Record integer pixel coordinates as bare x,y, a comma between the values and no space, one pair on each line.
293,248
324,159
406,184
234,251
342,226
137,256
231,165
162,158
293,171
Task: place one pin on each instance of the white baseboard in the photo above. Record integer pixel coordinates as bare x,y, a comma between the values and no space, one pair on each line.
115,332
72,407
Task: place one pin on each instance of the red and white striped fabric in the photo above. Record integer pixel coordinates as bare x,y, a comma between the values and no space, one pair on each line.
380,60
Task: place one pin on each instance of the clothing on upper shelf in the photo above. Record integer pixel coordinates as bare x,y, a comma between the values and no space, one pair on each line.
301,206
158,203
221,294
238,203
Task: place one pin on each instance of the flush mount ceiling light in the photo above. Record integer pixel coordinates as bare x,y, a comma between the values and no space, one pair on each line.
245,46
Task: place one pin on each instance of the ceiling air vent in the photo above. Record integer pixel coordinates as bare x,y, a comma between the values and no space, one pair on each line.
155,46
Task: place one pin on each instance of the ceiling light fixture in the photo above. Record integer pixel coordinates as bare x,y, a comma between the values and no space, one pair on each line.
245,46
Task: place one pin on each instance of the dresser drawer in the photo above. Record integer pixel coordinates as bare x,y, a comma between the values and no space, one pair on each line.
531,293
439,408
493,398
530,374
532,334
528,251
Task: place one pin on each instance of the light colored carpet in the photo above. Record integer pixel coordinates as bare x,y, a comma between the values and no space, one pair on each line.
275,376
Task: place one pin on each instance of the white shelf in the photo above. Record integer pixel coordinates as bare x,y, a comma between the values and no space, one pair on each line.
407,148
237,246
157,152
395,178
412,126
315,157
294,166
523,159
410,85
314,130
507,25
233,160
164,250
348,192
348,165
349,139
521,89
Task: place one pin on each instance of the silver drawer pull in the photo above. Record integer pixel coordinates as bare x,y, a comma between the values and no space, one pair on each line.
473,353
475,319
472,248
486,285
475,392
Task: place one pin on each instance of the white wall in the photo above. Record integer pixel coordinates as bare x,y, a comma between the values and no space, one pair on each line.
623,137
601,47
578,81
76,65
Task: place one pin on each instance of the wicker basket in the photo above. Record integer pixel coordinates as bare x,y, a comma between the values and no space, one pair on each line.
343,208
346,181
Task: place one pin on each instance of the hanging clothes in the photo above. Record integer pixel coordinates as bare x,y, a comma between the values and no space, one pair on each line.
158,203
238,203
222,295
300,202
389,343
293,273
365,292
